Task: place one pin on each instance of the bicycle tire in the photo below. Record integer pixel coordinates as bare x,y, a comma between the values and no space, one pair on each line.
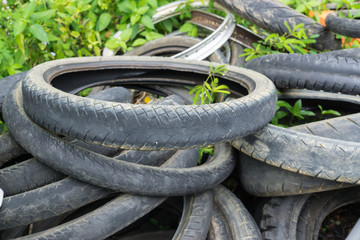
313,72
94,168
146,127
342,25
241,223
271,15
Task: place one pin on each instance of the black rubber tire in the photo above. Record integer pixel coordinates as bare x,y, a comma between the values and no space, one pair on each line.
300,217
94,168
344,26
7,83
280,216
26,176
236,51
318,206
241,223
261,179
196,217
142,126
63,196
219,227
48,201
123,210
313,72
276,146
31,174
271,15
347,53
10,149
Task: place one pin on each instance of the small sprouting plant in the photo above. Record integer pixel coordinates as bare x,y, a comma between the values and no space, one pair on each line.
295,112
296,41
206,93
327,112
208,90
3,127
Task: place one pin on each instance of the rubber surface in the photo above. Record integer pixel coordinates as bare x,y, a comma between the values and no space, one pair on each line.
348,53
280,216
343,25
123,211
241,223
261,179
271,15
142,126
313,72
9,148
94,168
7,83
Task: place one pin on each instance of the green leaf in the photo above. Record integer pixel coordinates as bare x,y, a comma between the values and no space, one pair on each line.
52,37
147,22
332,112
187,27
44,15
126,34
20,42
284,104
281,114
134,18
297,107
29,9
320,107
38,31
103,22
306,113
112,43
207,85
19,26
153,3
222,91
142,10
139,42
287,26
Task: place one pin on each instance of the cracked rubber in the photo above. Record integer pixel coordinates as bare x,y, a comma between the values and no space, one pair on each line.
343,25
196,217
280,216
142,126
271,15
123,211
313,72
241,223
261,179
94,168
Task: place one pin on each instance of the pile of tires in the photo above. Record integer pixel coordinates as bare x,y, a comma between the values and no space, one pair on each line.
106,167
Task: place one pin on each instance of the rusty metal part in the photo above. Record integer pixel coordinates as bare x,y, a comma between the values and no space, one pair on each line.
212,21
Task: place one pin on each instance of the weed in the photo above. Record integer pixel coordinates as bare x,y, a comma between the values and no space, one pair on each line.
296,41
207,92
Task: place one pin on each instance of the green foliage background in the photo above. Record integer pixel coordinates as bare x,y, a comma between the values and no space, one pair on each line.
36,31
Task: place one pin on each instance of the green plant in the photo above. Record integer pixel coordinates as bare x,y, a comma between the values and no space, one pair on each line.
207,91
303,6
284,111
3,128
295,112
296,41
327,112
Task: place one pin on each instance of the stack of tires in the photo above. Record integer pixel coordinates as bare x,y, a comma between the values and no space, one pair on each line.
105,167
